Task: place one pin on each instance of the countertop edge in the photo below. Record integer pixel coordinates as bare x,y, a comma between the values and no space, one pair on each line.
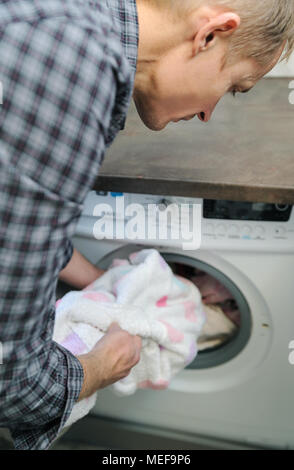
168,187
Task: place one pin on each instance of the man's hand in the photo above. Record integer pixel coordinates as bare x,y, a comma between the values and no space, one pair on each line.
79,272
111,359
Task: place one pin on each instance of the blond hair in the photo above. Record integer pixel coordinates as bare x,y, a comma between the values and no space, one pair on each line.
265,25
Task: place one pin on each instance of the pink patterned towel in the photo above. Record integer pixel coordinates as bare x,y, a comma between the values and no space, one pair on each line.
145,298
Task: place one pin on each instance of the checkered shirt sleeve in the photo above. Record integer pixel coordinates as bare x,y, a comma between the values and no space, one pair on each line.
61,72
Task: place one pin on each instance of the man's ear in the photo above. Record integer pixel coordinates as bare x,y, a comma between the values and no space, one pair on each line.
222,25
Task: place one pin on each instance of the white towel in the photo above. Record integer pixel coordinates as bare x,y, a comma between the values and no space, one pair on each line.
145,298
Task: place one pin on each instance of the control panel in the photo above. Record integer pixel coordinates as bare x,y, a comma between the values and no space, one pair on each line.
226,225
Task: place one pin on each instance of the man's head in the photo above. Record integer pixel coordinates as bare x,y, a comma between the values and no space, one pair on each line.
193,52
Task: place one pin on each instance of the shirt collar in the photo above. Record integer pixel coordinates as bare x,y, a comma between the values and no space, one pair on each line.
125,16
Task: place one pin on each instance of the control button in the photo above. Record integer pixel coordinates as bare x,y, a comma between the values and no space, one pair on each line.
282,207
101,193
116,194
221,230
280,231
246,232
162,204
234,231
209,229
259,232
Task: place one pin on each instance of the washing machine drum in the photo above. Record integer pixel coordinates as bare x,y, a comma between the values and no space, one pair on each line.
231,346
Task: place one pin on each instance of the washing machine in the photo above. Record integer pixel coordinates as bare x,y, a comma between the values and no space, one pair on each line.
242,390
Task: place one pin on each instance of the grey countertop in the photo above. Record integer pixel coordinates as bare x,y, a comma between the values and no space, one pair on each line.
245,153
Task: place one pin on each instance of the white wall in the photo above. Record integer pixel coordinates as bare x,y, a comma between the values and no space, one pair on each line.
283,69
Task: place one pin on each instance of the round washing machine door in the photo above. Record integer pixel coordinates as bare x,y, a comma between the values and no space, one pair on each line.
234,360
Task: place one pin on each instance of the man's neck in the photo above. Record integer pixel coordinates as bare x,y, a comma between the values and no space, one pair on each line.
159,31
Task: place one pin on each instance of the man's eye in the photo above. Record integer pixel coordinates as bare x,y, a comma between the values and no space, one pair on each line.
235,91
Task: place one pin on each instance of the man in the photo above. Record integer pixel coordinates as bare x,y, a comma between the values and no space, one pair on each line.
68,69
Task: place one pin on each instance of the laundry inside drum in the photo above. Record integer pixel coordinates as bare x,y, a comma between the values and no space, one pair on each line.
223,317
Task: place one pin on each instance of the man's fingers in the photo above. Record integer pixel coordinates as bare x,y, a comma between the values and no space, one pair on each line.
114,326
134,341
138,342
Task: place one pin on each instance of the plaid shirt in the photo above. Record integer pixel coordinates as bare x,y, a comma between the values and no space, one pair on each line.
67,70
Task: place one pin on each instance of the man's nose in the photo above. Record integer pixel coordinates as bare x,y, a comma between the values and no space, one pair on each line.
204,116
